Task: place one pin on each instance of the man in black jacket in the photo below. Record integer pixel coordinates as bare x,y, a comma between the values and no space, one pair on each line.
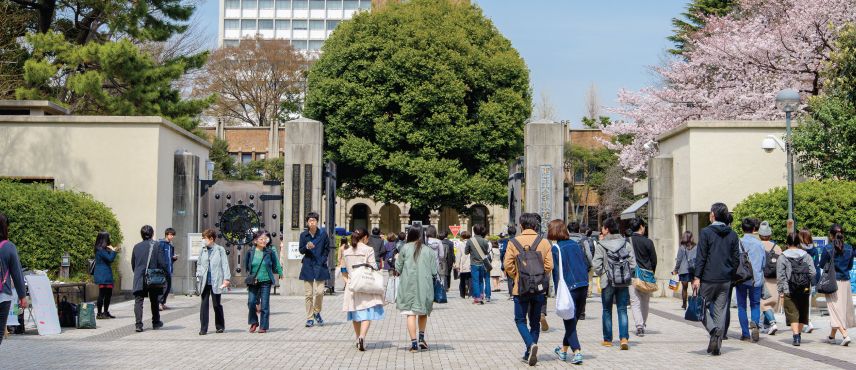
716,266
646,258
146,255
449,250
376,242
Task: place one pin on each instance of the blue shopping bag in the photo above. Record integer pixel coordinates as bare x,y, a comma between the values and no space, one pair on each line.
439,291
695,308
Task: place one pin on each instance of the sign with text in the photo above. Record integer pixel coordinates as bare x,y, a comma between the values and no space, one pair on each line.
194,246
294,251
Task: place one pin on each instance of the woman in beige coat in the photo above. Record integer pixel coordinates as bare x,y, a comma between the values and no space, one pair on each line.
362,308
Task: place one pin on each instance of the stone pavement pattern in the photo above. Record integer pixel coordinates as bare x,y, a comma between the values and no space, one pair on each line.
461,336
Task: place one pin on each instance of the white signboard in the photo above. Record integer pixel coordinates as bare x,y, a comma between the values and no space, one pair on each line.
294,251
194,246
44,307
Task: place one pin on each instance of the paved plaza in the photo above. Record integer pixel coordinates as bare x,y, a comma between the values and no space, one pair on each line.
461,336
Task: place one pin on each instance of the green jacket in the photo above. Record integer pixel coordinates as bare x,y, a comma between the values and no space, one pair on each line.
416,283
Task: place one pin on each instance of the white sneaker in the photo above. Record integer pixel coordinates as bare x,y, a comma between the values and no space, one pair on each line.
773,330
808,328
846,341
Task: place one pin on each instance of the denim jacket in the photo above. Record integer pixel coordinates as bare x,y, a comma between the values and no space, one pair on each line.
574,264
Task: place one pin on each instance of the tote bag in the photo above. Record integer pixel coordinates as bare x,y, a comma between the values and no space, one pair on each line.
564,304
695,308
366,280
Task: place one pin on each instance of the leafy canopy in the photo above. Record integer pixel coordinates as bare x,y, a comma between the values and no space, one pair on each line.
422,102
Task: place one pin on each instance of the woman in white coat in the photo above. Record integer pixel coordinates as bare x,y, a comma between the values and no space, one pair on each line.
212,276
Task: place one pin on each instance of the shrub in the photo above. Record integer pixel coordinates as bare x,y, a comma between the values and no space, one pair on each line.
817,204
44,223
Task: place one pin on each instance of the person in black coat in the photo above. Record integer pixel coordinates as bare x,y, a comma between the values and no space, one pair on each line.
646,258
146,255
449,250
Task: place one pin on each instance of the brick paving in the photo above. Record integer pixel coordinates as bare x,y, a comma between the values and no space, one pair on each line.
461,335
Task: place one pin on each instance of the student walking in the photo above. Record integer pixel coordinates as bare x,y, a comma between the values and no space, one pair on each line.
170,257
417,266
212,277
495,273
262,262
613,262
102,274
751,289
478,249
586,245
449,253
146,255
362,308
840,304
646,258
574,267
315,248
503,247
716,267
10,264
770,304
685,264
808,245
795,273
529,262
464,266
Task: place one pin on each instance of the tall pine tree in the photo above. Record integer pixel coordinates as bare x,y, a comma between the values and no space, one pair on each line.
693,20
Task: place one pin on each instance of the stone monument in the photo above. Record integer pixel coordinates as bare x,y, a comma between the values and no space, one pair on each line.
544,143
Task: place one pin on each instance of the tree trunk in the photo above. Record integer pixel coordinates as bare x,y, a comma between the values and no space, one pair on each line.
47,8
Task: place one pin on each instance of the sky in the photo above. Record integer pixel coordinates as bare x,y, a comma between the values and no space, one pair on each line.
570,44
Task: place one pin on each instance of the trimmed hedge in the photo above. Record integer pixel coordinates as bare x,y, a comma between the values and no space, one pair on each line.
817,204
44,223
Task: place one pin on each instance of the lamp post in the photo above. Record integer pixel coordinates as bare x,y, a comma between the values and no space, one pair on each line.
788,100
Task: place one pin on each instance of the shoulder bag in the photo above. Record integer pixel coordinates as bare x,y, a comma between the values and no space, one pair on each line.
644,281
251,278
827,283
364,278
564,304
744,266
485,261
155,277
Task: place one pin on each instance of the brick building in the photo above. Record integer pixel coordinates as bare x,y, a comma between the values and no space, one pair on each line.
247,143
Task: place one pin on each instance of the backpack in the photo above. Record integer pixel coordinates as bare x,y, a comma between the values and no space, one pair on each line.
771,259
531,277
585,243
800,279
618,266
67,313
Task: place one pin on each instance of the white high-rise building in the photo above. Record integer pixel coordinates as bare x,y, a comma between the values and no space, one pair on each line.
306,23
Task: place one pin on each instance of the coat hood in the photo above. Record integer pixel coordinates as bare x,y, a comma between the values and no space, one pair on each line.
720,229
612,242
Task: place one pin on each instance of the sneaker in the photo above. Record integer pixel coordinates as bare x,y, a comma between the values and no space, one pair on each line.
845,342
544,325
139,329
253,328
830,340
310,323
773,329
640,331
414,348
753,328
562,354
578,358
318,319
488,300
625,345
533,354
423,344
797,340
808,328
108,315
606,343
202,332
157,325
219,331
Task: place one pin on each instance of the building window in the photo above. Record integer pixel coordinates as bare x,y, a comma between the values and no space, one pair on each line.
351,5
316,4
366,4
230,43
234,156
266,24
283,25
316,25
579,175
331,25
299,44
250,5
233,4
248,25
315,45
299,25
300,4
265,4
246,158
231,24
334,4
283,4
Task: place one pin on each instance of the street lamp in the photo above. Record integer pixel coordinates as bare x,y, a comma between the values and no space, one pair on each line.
788,100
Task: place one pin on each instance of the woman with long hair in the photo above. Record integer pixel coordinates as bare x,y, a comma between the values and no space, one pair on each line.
840,304
574,268
417,266
262,262
103,274
362,308
685,264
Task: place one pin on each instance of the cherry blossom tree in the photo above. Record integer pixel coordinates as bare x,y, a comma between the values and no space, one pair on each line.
733,70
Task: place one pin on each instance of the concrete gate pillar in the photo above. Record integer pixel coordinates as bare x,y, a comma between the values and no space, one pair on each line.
405,221
544,154
434,218
304,144
374,219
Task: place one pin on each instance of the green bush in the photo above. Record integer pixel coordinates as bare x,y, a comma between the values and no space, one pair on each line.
44,223
817,204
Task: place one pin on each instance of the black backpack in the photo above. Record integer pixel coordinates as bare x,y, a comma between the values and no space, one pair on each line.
531,277
770,265
800,279
618,266
67,313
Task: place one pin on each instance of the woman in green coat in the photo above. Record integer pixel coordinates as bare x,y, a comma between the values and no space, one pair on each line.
417,266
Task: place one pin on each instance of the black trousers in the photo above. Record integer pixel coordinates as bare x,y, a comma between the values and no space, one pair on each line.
219,322
466,284
4,315
166,289
103,303
152,293
447,279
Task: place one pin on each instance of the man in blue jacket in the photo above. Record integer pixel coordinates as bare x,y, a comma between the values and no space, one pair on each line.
315,248
170,257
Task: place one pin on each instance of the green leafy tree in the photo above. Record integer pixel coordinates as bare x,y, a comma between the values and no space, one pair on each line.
422,102
693,20
16,23
224,165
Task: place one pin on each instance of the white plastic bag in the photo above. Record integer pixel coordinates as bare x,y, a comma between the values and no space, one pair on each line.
391,289
365,279
564,304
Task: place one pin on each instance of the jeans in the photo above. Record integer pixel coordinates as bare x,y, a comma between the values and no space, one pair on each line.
259,294
754,294
481,282
621,298
570,339
528,307
219,321
4,315
152,294
465,286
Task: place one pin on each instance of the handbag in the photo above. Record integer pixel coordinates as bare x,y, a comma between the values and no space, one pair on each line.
439,291
155,277
645,281
744,267
827,284
564,304
485,261
250,280
673,283
695,308
365,279
86,316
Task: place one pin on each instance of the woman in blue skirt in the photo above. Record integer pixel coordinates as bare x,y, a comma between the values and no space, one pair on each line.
362,308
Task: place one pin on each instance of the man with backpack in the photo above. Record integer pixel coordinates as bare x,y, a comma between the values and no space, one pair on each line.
795,273
716,269
614,262
586,245
529,262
